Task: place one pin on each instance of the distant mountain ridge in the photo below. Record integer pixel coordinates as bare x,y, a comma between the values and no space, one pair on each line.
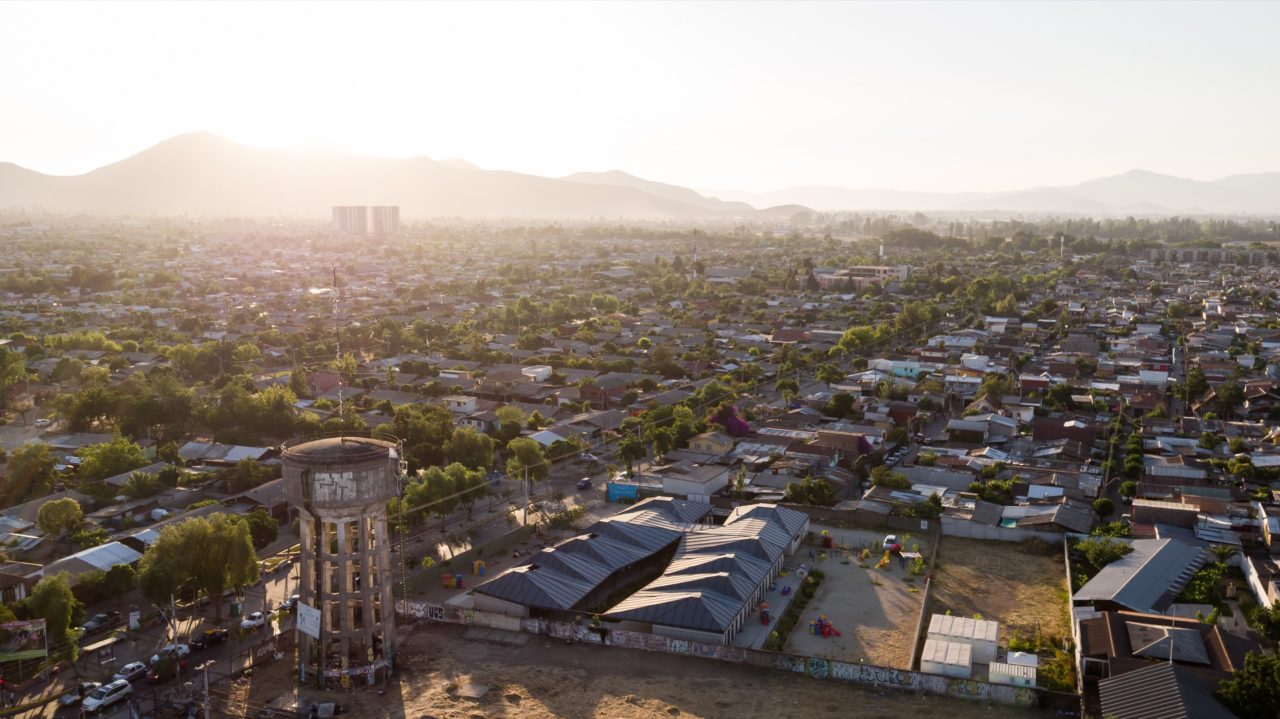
1134,192
203,174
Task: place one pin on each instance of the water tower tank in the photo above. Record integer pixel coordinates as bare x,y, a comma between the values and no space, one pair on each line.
340,487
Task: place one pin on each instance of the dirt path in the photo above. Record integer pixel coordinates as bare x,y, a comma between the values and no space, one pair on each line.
545,679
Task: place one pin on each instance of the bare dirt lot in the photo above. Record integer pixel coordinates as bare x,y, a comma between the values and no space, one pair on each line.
1021,590
874,610
544,679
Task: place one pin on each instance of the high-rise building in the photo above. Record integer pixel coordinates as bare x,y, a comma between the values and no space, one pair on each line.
384,219
363,220
351,219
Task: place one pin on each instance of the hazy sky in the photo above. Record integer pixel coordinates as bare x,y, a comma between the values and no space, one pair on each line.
949,96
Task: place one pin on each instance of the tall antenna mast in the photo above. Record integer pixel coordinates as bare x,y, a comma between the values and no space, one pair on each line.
337,335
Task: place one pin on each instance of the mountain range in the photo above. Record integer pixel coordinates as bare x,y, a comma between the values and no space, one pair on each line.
204,175
1138,192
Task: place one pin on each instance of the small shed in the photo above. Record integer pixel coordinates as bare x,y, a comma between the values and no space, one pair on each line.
979,634
1018,675
951,659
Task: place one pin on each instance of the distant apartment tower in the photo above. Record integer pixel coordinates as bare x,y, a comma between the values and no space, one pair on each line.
384,219
363,220
351,219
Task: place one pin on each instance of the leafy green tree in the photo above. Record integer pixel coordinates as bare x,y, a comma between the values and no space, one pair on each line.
1103,507
829,374
211,554
59,516
663,439
470,485
471,448
526,456
631,450
99,461
30,473
426,431
53,601
1229,396
1101,551
814,491
247,474
13,369
1253,692
263,528
883,477
142,484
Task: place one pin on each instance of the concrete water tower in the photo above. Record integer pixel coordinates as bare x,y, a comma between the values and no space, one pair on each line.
340,487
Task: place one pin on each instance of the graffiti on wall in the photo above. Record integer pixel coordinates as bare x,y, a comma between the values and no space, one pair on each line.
817,667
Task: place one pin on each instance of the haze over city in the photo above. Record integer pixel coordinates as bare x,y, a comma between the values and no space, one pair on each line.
953,97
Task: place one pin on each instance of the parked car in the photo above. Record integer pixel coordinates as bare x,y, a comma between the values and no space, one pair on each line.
42,422
584,483
256,620
77,694
291,604
210,637
589,457
99,622
131,672
179,650
890,540
105,696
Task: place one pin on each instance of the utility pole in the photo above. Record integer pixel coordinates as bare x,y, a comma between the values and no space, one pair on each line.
526,497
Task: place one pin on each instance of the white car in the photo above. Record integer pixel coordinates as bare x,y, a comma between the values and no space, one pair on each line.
179,650
254,621
131,672
105,696
890,540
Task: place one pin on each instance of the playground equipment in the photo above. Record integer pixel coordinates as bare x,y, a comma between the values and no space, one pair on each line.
822,627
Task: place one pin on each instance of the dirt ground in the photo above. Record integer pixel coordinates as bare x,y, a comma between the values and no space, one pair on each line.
545,679
877,621
1021,590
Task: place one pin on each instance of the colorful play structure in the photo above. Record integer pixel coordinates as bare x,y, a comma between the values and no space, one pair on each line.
822,627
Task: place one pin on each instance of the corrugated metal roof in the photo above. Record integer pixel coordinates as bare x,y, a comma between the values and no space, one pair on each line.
950,653
1146,579
1160,691
698,610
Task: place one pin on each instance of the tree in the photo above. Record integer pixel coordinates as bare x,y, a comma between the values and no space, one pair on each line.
663,438
1103,507
471,448
510,420
247,474
788,388
1228,397
263,528
469,484
30,473
526,460
211,554
631,449
99,461
882,477
142,484
1101,551
59,516
53,601
13,369
812,491
425,431
1253,692
829,374
1128,488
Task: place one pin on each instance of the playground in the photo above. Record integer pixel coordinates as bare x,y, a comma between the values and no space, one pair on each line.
866,607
